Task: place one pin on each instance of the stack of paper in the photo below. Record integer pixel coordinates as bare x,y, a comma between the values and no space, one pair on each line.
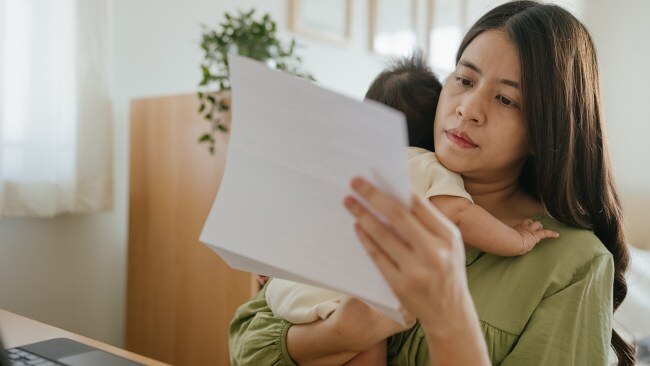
294,147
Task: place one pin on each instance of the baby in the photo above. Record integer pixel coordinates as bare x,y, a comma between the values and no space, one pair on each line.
411,87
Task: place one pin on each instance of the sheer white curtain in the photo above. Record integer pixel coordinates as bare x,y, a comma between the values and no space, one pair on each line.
55,118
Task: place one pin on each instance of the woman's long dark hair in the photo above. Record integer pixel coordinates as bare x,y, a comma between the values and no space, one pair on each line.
569,169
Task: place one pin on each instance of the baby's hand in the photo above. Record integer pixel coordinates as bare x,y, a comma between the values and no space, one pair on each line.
532,233
261,280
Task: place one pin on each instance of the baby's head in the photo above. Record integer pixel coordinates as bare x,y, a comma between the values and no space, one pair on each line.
409,85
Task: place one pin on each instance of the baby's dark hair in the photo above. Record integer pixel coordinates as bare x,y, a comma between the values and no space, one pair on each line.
409,85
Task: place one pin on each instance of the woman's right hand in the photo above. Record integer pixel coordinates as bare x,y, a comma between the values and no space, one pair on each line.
360,326
418,250
421,255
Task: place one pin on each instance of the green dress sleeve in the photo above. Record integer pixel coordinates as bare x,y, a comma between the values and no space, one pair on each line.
256,337
571,326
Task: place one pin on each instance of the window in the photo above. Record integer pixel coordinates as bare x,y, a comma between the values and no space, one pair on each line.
54,107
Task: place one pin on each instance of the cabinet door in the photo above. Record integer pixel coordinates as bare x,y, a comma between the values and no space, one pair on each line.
181,295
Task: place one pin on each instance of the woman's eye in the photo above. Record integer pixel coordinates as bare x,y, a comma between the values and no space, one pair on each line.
505,101
463,82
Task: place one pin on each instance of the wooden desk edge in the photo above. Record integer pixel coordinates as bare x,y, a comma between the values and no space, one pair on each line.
18,331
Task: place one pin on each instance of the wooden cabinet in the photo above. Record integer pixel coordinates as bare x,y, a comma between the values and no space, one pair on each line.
181,295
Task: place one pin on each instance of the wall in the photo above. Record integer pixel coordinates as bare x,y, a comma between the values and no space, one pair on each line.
70,271
67,271
620,31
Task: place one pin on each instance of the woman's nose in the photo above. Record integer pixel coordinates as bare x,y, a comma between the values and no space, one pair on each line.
472,108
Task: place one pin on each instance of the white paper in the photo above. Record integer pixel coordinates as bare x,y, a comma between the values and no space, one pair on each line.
294,147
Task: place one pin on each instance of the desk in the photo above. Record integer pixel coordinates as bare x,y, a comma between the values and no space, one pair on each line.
18,331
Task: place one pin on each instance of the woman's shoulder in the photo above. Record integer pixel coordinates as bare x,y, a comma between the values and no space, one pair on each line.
553,265
557,260
561,261
574,248
508,290
550,267
566,259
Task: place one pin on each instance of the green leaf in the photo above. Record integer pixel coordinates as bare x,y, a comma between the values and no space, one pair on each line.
205,137
253,36
215,124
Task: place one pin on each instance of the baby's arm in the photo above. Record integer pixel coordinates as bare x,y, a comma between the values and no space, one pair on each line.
484,231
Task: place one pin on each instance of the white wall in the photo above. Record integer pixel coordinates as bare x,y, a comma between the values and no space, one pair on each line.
70,271
621,30
66,271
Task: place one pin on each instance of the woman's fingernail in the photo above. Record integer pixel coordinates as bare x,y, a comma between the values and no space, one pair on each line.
357,228
348,202
357,183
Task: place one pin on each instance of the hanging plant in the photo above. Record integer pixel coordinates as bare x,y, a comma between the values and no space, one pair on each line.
244,35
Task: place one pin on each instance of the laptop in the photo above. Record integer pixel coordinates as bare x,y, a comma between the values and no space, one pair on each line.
60,352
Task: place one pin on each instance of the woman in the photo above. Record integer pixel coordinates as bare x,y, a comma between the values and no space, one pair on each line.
520,119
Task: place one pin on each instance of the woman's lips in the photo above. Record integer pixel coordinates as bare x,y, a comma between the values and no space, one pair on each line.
460,138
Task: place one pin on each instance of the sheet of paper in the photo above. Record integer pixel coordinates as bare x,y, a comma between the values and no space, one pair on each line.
293,150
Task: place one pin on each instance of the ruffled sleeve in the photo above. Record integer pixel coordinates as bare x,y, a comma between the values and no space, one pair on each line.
256,337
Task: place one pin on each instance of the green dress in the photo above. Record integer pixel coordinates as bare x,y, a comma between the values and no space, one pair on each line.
551,306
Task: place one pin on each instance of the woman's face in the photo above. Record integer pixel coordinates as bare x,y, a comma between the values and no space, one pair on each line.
479,129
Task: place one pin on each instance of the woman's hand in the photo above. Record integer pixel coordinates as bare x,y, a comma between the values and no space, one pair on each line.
359,326
421,255
419,251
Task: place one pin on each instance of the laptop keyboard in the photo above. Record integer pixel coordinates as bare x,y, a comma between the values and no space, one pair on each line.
19,357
